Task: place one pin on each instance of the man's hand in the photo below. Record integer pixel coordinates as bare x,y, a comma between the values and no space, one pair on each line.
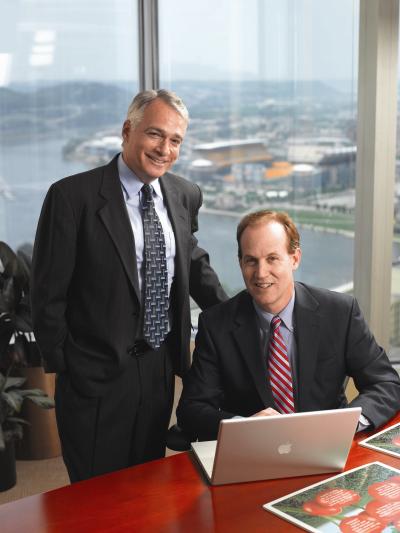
267,412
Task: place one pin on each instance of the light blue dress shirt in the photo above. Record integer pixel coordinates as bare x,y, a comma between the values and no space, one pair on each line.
287,332
131,186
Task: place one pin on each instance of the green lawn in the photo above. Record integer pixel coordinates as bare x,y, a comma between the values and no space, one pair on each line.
337,221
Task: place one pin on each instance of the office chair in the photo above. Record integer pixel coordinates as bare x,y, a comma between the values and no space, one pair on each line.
178,440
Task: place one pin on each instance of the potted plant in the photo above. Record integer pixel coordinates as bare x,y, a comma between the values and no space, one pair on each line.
12,397
15,315
18,351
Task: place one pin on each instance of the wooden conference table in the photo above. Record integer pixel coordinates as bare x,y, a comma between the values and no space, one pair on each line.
169,496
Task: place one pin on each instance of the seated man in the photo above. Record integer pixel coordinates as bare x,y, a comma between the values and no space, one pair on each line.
282,346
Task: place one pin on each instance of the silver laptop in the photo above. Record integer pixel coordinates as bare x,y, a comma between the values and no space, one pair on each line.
299,444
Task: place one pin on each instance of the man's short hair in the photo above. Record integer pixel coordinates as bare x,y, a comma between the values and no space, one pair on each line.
265,216
144,98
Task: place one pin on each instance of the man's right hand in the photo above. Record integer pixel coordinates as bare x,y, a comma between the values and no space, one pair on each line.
267,412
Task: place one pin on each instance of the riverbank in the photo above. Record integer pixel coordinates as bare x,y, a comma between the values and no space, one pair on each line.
306,218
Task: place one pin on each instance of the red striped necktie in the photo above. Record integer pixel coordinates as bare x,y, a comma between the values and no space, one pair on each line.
280,375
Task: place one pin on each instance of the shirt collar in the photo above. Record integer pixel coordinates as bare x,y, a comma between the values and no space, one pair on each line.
286,315
131,183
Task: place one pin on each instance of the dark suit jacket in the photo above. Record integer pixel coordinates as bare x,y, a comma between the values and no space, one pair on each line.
228,374
85,292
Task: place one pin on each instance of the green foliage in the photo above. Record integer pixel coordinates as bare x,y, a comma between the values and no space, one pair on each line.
12,397
15,311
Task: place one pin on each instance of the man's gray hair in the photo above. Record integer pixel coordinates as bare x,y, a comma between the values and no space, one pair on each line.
144,98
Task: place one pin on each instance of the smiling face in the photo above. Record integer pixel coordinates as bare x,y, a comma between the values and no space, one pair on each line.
267,266
153,146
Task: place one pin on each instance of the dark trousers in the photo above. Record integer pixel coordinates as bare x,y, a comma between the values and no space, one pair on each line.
125,427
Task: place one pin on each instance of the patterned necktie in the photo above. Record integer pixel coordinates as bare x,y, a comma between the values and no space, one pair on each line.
280,375
155,323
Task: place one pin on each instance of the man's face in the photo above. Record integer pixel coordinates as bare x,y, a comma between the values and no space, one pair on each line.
267,266
153,146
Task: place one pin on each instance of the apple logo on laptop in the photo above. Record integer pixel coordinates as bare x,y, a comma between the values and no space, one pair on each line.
286,447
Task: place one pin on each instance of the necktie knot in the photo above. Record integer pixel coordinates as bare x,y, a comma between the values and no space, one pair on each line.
147,192
275,322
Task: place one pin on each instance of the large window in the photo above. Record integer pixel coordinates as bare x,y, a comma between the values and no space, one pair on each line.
272,91
68,70
271,88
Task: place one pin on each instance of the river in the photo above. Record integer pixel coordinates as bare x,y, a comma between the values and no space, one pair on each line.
28,170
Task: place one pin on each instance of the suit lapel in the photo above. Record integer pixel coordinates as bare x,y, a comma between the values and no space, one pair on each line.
178,216
115,217
247,336
307,322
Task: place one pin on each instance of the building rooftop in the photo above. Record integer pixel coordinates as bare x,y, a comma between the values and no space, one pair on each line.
234,143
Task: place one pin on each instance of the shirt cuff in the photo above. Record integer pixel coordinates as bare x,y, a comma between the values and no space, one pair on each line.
363,423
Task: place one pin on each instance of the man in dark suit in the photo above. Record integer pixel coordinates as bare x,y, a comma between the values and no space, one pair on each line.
92,278
243,366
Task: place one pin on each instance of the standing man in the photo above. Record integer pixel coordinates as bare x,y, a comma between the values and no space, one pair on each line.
282,346
114,263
